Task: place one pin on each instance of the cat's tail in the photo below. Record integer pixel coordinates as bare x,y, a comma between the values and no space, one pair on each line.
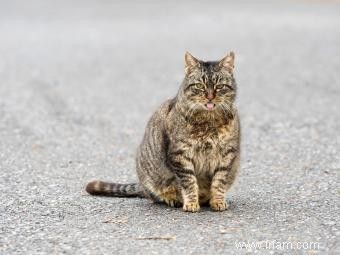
99,188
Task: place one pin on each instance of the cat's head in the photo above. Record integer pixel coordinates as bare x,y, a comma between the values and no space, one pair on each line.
209,87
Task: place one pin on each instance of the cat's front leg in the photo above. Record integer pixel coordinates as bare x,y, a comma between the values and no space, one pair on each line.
183,168
223,178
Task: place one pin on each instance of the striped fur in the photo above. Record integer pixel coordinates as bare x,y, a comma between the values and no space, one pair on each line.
114,189
191,148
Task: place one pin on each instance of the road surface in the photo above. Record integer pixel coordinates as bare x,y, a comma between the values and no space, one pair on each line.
79,80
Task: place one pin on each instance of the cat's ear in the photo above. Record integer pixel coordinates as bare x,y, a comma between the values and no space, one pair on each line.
228,61
191,63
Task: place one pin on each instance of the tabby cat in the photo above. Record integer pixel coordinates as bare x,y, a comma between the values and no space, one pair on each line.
190,152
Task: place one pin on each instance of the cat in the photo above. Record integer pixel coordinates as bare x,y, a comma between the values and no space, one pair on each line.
190,152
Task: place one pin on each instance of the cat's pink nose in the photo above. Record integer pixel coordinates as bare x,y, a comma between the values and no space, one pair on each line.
210,94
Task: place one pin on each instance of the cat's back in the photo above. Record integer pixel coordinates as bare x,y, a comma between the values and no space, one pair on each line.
155,128
160,116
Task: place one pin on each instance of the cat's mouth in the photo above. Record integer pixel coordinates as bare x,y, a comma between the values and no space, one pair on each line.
210,106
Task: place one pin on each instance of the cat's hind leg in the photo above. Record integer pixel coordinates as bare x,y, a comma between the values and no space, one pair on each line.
168,194
171,196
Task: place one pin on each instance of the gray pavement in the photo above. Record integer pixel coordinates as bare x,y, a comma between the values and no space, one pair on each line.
79,80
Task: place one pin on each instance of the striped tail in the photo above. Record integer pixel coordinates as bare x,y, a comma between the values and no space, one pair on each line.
99,188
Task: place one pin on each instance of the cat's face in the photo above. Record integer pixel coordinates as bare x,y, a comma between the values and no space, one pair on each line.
209,86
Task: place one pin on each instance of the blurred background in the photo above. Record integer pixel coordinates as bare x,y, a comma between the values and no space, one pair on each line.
79,80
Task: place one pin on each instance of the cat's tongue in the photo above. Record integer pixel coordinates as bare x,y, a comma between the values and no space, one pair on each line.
210,106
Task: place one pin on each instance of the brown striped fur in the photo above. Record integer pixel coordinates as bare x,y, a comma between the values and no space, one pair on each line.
190,151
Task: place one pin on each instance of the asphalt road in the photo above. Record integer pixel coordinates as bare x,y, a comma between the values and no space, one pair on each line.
79,80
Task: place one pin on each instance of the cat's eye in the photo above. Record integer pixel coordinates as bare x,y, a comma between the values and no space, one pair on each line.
219,86
200,86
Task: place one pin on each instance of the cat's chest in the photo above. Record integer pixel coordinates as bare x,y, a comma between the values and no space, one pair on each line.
206,154
210,142
205,148
208,151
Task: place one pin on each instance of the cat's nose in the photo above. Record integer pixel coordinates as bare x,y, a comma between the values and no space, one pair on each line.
210,94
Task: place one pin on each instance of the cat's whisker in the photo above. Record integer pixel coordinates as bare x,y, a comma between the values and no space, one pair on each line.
226,109
190,111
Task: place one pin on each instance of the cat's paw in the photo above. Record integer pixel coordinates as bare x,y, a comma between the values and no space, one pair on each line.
218,205
173,203
191,207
